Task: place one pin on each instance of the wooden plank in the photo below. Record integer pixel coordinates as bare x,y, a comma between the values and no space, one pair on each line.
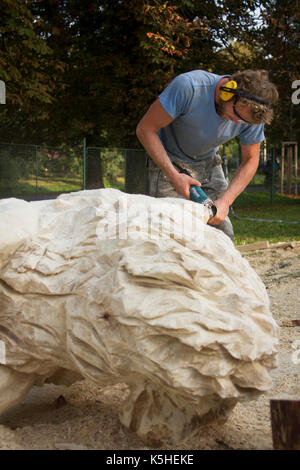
262,245
285,420
283,245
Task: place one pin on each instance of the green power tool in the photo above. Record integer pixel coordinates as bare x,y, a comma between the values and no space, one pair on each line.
198,195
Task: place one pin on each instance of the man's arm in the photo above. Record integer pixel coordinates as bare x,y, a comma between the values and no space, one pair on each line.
242,177
156,118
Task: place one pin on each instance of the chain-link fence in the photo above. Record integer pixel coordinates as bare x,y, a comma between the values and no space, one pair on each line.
38,172
277,170
123,169
268,208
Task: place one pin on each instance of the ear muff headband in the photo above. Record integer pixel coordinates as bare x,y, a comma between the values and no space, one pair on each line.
230,89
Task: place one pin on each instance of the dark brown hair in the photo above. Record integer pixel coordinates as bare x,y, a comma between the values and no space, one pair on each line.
257,83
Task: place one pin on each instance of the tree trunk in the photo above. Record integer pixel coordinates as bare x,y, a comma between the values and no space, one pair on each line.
136,171
94,175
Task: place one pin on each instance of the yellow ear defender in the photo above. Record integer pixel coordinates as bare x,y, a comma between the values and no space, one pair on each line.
226,91
230,89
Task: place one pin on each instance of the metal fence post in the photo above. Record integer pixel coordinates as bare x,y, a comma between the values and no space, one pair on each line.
84,163
273,177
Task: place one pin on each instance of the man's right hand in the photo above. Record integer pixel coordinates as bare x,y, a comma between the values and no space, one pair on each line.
182,184
147,129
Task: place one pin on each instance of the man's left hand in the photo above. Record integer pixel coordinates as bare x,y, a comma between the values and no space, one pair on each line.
222,212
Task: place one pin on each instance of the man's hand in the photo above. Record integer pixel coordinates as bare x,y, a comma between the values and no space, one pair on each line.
182,184
222,212
242,177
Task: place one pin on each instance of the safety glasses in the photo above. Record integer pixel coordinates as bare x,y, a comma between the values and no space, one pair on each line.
237,114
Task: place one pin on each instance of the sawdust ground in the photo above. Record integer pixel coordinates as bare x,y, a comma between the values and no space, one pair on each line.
85,416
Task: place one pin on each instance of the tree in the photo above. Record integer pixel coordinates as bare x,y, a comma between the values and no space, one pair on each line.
280,54
93,68
26,66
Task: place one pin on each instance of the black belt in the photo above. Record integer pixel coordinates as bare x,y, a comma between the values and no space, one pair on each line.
181,170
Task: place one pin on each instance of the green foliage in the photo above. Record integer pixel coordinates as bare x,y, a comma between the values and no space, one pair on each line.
231,150
277,50
12,169
76,69
113,166
59,161
24,57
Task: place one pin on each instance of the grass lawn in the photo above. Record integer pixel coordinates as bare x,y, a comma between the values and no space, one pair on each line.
50,185
43,185
257,205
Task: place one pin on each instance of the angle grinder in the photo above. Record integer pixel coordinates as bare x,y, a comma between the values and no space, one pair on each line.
198,195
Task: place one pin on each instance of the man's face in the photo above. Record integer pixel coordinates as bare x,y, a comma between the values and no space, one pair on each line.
234,112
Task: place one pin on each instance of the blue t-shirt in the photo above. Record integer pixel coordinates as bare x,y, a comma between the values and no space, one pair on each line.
197,130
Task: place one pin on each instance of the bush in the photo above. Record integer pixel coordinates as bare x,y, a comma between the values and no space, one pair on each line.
12,168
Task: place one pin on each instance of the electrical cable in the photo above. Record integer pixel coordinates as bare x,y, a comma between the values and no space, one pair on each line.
262,220
252,219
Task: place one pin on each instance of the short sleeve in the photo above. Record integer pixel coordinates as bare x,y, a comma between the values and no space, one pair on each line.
252,134
177,96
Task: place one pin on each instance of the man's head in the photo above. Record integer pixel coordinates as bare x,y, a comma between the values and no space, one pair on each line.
243,106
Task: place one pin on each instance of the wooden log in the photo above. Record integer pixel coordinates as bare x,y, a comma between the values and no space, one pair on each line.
285,420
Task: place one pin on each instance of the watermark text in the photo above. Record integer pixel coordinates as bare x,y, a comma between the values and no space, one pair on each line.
2,353
2,92
128,219
296,94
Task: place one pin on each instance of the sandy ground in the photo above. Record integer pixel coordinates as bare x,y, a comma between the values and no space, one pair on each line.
85,416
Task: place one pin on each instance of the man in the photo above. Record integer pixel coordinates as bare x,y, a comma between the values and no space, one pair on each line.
188,122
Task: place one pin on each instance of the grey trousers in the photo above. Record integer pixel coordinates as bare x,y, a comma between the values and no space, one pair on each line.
210,174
